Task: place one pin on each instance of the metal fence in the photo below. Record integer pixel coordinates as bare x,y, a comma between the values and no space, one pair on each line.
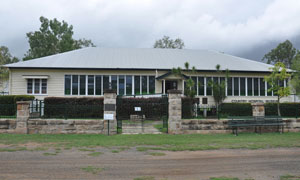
2,93
8,110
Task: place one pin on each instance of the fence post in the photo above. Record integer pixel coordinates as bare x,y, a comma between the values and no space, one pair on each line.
174,122
110,107
22,117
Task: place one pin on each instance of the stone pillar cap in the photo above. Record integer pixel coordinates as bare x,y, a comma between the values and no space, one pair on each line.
174,91
258,104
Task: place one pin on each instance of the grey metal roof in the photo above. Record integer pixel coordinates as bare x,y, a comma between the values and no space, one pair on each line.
138,58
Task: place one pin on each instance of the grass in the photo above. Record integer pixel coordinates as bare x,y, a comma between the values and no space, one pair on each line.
92,169
85,149
50,154
13,149
156,154
115,151
144,142
289,177
223,178
94,154
161,128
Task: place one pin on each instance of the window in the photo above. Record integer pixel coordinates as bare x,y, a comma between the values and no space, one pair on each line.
262,87
229,86
36,86
242,86
90,85
67,84
201,86
255,86
29,86
98,85
195,83
105,82
137,85
151,85
269,93
249,86
121,85
144,85
128,85
82,85
208,88
114,82
236,86
74,84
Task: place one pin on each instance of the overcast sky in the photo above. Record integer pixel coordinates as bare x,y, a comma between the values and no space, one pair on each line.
246,28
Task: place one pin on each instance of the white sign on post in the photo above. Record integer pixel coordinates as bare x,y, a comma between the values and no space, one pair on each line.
137,109
108,116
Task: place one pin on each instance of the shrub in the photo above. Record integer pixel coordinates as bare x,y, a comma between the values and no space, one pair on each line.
152,108
60,107
236,109
187,107
286,109
8,105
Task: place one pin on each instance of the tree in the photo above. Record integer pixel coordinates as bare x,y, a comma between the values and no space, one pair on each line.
53,37
5,58
219,88
168,43
284,53
296,74
278,75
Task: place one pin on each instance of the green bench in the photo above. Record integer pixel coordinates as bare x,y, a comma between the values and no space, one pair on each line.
257,122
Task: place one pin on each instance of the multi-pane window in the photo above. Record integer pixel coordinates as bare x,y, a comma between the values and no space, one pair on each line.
82,84
262,87
137,85
128,85
249,86
36,86
242,86
121,85
201,86
255,81
96,84
208,87
195,83
229,86
91,85
269,92
151,85
236,86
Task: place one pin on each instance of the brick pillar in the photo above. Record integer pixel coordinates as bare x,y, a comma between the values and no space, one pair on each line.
258,109
174,122
110,107
22,117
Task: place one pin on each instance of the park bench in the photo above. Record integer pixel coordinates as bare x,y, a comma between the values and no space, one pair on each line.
235,122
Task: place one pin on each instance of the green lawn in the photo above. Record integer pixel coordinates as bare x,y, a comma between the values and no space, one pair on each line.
160,141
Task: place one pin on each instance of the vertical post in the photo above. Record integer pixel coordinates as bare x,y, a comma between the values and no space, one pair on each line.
164,90
174,122
22,117
110,107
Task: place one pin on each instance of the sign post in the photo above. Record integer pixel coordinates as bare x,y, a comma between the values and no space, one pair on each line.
108,117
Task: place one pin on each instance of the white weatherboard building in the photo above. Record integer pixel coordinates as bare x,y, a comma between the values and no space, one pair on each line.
88,71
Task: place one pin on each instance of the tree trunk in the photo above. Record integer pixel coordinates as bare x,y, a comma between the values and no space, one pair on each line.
278,108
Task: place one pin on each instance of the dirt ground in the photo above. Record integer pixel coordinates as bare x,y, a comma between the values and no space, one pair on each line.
266,164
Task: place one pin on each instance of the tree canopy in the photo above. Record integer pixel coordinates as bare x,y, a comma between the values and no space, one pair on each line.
5,58
296,74
168,43
284,53
53,37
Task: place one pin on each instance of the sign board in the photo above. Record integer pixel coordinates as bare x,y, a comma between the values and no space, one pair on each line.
109,107
137,109
108,116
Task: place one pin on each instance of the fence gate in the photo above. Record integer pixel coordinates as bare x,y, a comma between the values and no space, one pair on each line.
142,115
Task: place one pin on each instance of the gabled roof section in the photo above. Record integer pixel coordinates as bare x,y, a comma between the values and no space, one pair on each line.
170,73
138,58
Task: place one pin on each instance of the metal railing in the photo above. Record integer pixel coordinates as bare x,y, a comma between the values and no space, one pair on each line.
8,110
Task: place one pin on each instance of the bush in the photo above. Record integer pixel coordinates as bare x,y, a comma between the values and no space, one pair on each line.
152,108
286,109
8,105
60,107
236,109
187,107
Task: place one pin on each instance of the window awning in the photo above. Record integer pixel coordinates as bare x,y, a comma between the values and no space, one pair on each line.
35,76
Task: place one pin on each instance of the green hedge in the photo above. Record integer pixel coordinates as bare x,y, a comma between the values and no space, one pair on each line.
286,109
236,109
8,105
60,107
187,107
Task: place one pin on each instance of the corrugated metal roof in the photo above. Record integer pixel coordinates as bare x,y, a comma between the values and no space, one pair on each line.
138,58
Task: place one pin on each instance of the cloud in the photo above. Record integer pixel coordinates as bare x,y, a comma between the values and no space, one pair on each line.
231,26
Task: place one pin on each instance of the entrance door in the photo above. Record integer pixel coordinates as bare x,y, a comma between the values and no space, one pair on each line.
171,85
